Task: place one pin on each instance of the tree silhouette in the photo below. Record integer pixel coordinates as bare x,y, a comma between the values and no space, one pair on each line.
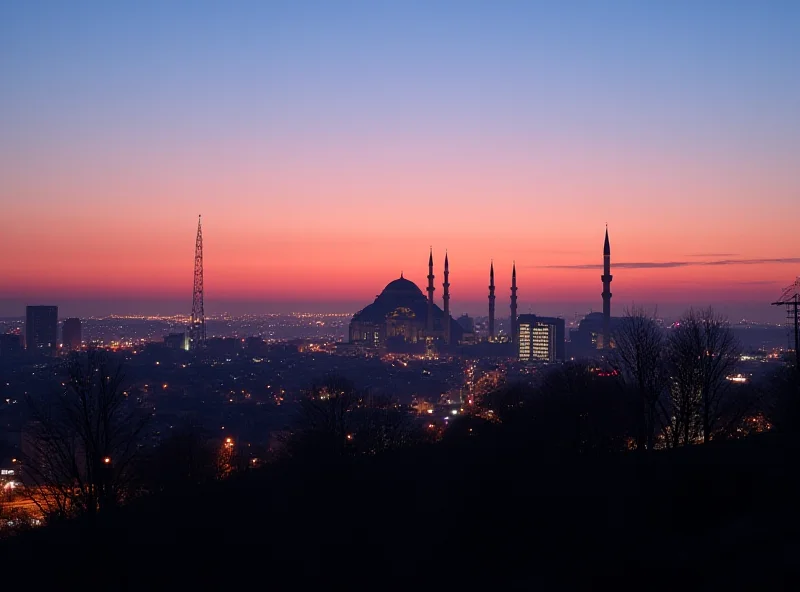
325,420
336,420
639,357
82,443
571,410
703,352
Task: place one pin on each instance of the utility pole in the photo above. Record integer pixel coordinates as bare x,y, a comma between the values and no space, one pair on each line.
790,299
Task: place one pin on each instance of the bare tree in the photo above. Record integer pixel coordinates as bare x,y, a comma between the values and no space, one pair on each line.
82,442
703,352
381,425
684,401
325,416
638,355
337,419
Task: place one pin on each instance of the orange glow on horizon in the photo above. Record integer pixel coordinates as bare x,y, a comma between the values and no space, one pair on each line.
329,239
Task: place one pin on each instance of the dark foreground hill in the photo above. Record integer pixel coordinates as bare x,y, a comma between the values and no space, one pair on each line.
713,516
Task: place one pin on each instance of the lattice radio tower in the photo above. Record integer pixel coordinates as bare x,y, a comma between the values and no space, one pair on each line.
197,329
791,300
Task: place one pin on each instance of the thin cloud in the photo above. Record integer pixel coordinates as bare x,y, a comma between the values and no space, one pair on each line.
752,261
713,255
674,264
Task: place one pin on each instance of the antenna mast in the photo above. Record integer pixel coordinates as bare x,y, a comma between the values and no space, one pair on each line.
197,329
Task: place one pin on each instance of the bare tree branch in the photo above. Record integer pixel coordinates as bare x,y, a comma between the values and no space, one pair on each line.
82,442
638,355
703,352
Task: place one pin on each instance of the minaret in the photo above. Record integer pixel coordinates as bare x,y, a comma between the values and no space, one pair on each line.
446,298
491,301
514,303
430,295
606,278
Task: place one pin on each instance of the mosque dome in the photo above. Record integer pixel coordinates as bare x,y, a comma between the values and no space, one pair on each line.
400,298
401,286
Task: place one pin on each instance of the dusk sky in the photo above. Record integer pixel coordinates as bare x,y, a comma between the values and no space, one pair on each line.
329,144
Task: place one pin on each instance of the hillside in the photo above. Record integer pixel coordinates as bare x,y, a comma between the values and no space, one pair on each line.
456,514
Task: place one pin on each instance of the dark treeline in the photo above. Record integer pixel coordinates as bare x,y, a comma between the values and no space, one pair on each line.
680,381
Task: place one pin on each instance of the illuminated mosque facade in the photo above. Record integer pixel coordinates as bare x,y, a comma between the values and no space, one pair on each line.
402,315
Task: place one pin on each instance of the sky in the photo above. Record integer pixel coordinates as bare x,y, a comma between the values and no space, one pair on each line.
329,145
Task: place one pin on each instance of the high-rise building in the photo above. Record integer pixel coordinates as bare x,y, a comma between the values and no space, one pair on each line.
41,329
71,334
541,338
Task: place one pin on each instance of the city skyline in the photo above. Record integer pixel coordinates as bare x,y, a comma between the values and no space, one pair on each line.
328,148
742,309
